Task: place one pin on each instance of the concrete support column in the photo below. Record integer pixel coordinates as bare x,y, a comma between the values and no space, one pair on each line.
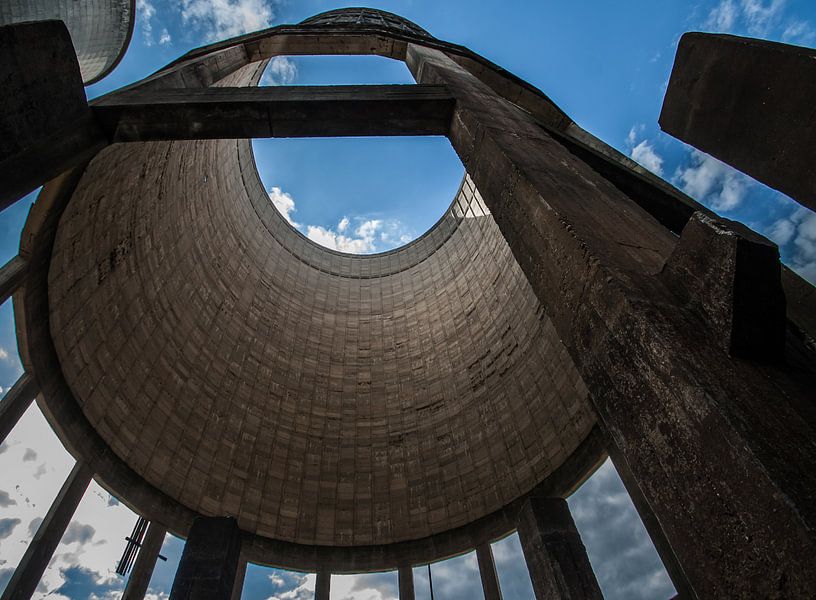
209,563
15,403
145,563
47,125
556,557
28,573
238,586
322,585
12,275
406,583
720,447
749,103
487,571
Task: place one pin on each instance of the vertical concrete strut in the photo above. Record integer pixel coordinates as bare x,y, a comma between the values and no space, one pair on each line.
240,576
15,402
38,554
145,563
322,585
209,563
406,583
556,557
693,424
487,572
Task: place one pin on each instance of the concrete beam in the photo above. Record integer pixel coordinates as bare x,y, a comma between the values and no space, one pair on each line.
296,111
556,557
12,275
750,103
145,563
487,572
45,125
209,563
15,402
38,554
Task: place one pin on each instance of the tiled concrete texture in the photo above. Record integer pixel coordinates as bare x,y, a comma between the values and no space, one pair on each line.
100,29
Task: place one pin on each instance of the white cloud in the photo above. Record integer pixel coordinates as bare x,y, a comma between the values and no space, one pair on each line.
164,37
722,17
371,235
364,241
761,17
145,12
619,549
304,590
799,32
284,203
222,19
3,353
712,182
643,152
796,236
280,71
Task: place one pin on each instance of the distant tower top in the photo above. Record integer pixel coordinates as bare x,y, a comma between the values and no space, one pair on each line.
357,17
100,29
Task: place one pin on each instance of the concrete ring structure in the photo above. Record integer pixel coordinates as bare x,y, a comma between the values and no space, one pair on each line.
234,382
338,400
100,29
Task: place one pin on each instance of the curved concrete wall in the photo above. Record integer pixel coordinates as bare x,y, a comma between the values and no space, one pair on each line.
321,398
100,29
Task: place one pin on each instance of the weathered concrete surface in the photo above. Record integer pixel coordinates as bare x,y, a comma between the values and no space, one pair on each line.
285,111
555,555
45,125
41,548
660,388
142,570
209,563
730,276
15,402
750,103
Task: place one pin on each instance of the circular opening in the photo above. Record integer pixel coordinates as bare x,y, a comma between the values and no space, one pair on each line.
356,195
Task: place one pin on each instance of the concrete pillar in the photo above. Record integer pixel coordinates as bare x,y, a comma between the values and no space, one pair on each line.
238,587
322,585
28,573
209,563
487,571
406,583
145,563
46,123
749,103
15,403
720,446
556,557
12,275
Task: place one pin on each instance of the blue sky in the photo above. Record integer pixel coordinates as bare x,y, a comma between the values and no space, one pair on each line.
606,64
